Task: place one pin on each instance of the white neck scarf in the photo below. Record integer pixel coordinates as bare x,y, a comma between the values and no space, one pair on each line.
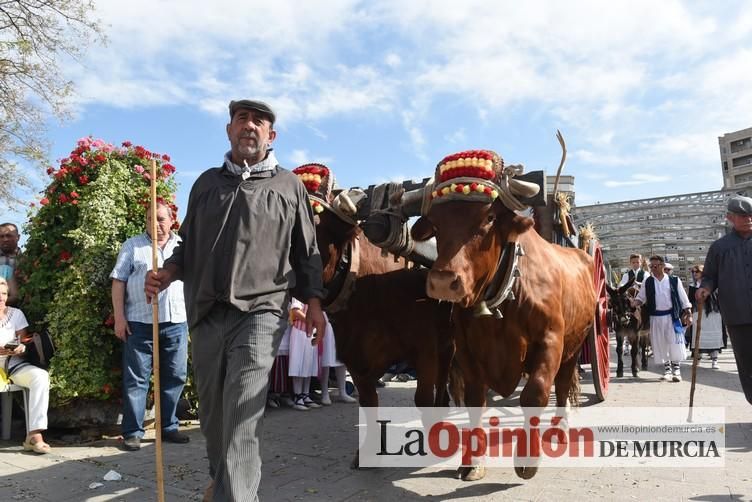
269,163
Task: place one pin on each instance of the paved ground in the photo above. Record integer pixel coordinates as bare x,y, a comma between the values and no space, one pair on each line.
307,456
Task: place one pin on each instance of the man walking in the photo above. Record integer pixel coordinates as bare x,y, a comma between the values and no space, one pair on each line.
248,243
133,325
728,268
669,309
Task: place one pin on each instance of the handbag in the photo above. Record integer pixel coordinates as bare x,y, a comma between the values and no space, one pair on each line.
40,349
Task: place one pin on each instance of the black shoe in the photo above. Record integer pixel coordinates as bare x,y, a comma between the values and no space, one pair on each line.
132,443
175,437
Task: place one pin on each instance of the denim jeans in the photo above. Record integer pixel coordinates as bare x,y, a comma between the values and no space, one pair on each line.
137,365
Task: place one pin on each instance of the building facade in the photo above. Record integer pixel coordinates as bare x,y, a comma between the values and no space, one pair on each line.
736,159
678,227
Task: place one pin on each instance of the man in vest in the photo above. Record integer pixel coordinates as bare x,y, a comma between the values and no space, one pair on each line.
669,309
635,271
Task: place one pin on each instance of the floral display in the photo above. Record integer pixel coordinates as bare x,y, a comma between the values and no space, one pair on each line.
96,198
479,165
312,175
471,163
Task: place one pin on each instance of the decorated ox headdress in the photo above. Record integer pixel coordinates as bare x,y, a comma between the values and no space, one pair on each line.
480,175
320,184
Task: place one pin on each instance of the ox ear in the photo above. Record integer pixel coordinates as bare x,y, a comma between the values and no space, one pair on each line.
422,230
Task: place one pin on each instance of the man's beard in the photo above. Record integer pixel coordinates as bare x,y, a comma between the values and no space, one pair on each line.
252,150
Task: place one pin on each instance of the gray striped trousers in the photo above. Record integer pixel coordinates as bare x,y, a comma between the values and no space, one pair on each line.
233,352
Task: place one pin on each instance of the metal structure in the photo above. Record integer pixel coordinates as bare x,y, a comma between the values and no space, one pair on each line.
678,227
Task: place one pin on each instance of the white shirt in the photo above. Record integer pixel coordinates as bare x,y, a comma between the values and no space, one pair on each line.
13,322
663,294
625,277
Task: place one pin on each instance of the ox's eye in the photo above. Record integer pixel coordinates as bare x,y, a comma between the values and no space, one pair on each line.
490,218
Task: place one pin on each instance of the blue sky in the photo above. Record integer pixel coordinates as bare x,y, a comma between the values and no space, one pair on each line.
383,90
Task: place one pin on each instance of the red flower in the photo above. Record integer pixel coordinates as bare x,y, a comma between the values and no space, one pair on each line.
107,388
110,321
168,169
74,195
127,144
100,157
74,202
63,198
83,180
50,170
166,158
65,256
44,201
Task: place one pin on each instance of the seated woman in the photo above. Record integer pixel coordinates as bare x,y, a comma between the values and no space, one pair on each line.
13,326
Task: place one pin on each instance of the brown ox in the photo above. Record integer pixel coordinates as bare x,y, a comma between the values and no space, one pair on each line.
387,318
543,327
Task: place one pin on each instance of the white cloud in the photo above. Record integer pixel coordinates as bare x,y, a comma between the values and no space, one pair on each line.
458,137
393,60
642,85
637,179
299,157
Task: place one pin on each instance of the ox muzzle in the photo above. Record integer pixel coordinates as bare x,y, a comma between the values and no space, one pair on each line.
446,285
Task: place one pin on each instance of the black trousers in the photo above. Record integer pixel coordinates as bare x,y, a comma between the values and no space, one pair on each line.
741,342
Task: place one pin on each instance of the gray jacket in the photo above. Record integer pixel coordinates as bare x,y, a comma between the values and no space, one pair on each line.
728,267
247,243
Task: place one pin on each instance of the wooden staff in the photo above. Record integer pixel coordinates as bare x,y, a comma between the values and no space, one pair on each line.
695,360
155,335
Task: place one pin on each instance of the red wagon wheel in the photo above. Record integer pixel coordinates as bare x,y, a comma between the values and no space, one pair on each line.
598,340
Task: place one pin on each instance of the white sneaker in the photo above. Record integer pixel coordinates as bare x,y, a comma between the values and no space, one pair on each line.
714,364
676,378
666,377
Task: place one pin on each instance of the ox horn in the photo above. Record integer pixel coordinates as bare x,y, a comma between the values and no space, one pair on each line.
523,188
348,200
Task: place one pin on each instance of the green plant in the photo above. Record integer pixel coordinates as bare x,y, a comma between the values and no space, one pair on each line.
96,199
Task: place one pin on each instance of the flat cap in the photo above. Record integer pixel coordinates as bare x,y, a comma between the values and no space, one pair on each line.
251,104
739,204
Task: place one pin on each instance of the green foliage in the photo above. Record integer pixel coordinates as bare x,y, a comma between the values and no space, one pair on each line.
94,202
35,38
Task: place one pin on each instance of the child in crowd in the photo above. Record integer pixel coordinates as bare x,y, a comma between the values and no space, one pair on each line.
303,359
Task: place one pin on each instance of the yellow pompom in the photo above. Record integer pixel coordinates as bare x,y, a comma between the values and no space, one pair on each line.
480,188
466,189
434,194
452,187
474,162
494,194
461,162
445,190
